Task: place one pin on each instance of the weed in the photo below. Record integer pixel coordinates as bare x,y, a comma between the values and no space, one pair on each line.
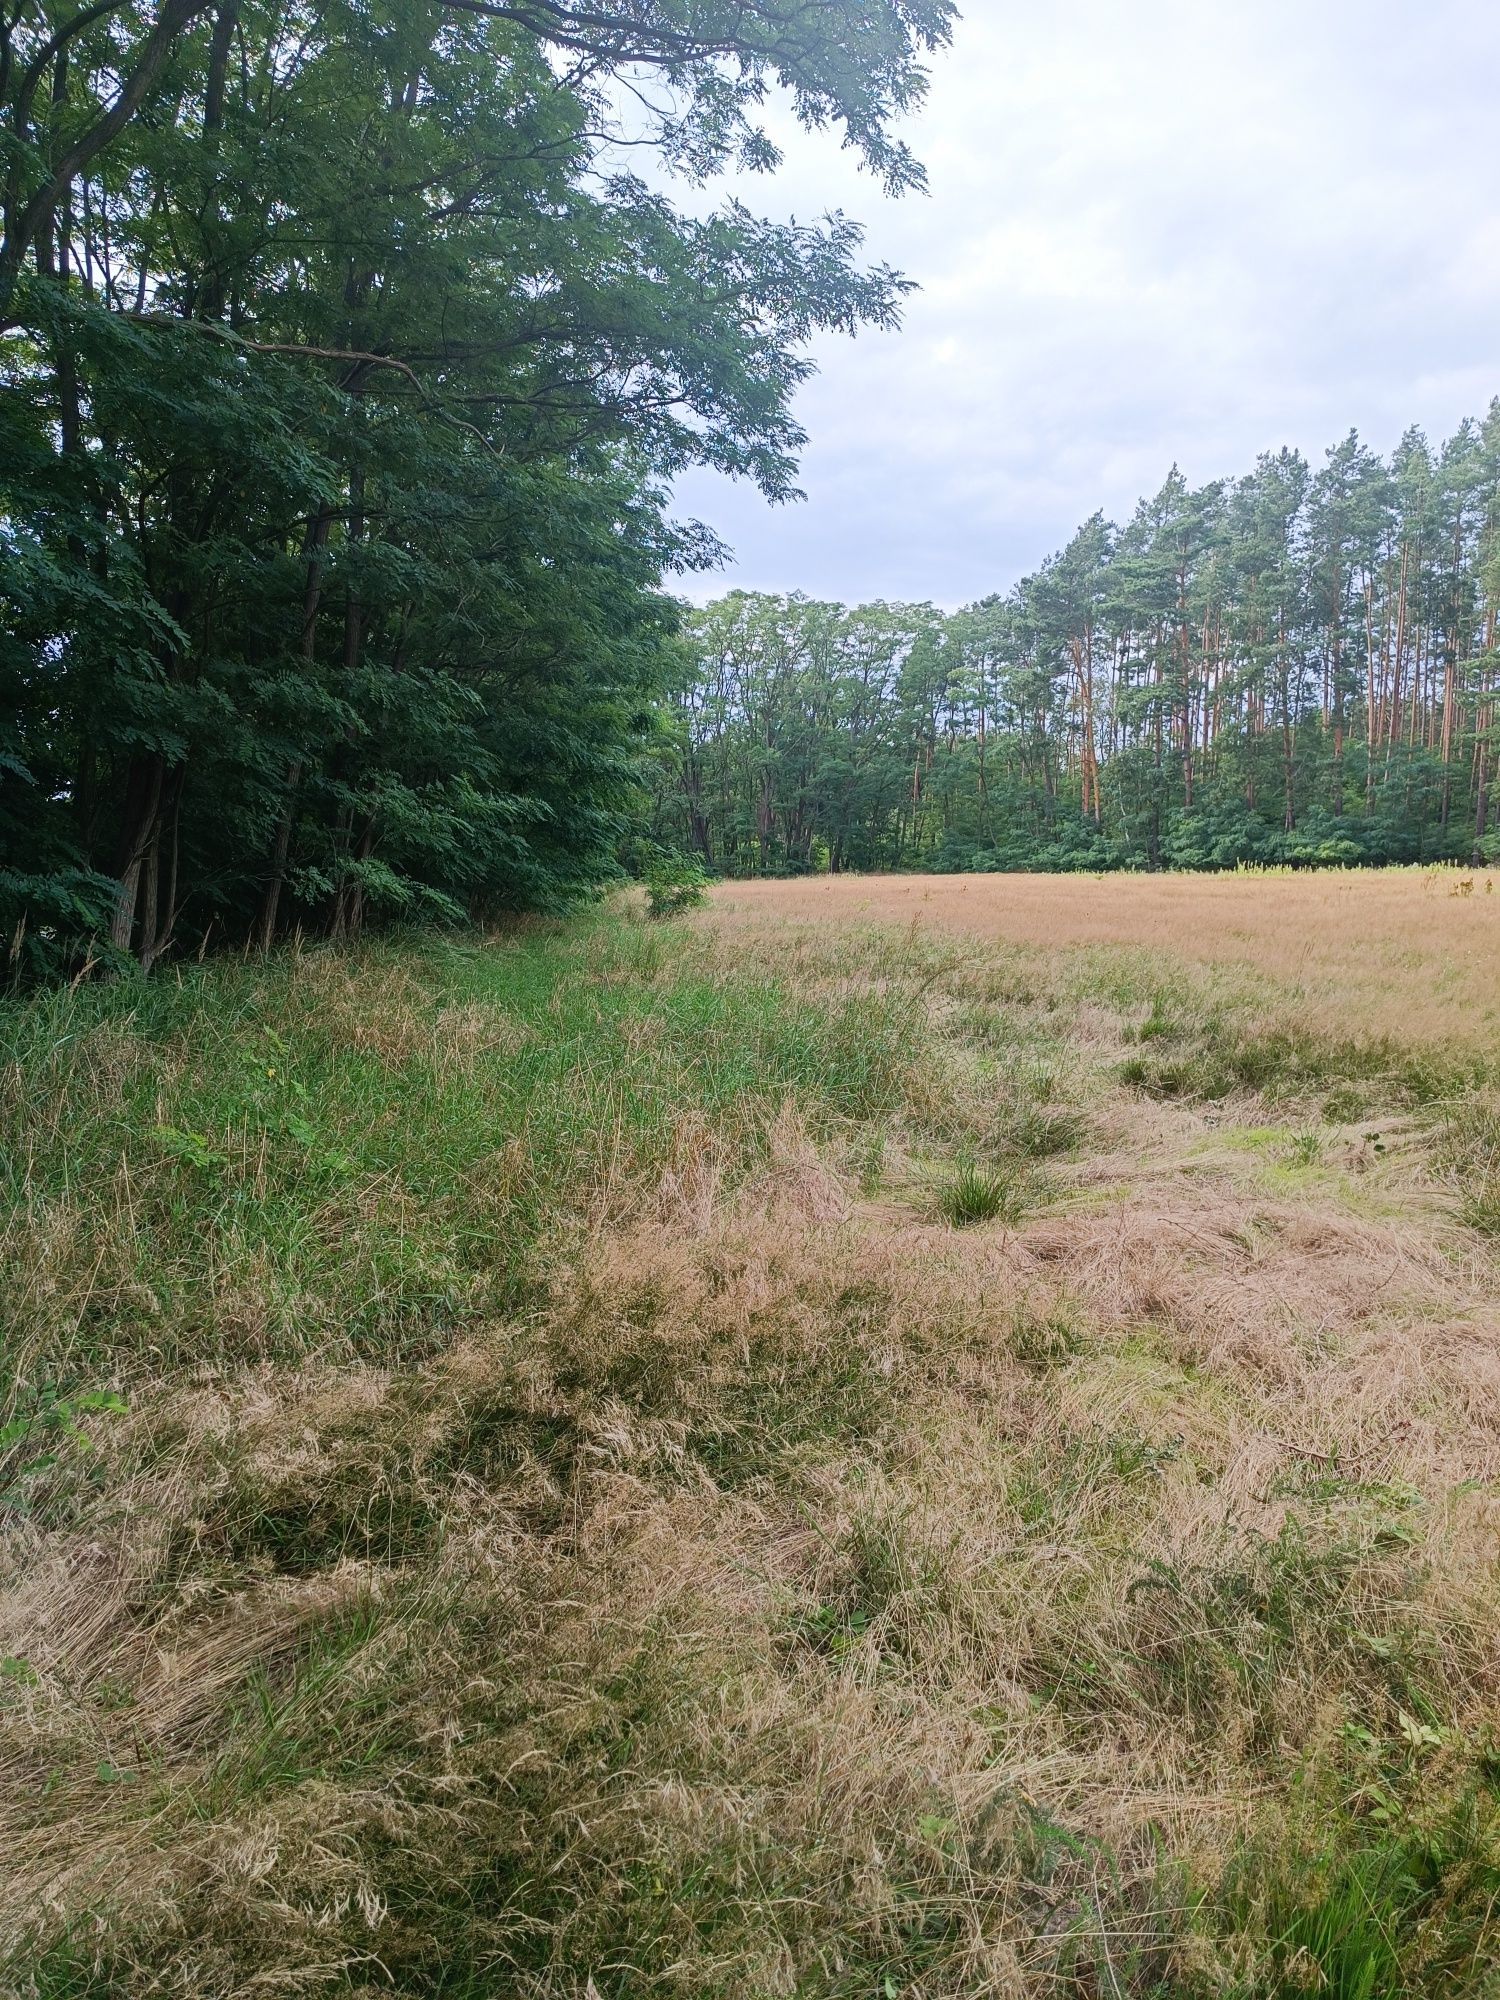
870,1160
1406,1912
1042,1337
673,885
1225,1056
1159,1025
1345,1104
42,1429
1044,1132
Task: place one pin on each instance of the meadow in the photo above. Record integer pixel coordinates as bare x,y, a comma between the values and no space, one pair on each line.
890,1437
1410,953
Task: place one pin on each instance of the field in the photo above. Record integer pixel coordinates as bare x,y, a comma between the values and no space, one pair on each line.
1407,952
917,1438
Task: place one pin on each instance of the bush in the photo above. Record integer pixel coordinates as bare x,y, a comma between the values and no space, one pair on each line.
674,884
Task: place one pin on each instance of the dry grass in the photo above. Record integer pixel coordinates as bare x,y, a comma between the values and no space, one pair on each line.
1407,952
768,1589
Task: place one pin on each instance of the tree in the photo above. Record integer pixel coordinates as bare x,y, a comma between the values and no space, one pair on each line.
344,369
1291,667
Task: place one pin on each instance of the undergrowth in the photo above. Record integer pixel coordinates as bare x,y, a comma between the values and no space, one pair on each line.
357,1155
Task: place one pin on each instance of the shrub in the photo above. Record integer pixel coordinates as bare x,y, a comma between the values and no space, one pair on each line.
674,884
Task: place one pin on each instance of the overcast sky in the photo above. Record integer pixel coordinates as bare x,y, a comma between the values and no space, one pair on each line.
1156,231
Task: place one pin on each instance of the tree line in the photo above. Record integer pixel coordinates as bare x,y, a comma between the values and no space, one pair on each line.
346,352
1296,666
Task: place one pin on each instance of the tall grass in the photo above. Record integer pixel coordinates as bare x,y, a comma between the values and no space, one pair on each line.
1387,948
357,1155
510,1484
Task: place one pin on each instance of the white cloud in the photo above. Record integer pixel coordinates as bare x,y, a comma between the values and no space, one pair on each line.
1160,232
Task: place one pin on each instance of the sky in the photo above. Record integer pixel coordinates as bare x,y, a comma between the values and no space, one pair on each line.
1155,233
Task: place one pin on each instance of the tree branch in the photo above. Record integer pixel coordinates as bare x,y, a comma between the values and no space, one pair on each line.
301,350
175,16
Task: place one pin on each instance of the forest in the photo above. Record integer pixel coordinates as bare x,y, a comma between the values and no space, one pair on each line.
346,354
1296,667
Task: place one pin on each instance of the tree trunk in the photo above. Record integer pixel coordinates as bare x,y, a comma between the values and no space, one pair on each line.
316,538
142,805
1481,804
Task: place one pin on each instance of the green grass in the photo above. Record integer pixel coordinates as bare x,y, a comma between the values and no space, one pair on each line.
1220,1055
320,1149
1408,1911
977,1194
1471,1154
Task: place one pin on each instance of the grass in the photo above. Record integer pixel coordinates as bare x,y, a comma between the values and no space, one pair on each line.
1471,1152
980,1194
527,1468
1393,947
355,1156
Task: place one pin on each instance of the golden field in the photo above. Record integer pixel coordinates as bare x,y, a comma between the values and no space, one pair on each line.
1405,951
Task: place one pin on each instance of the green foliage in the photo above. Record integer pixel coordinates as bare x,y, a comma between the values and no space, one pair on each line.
41,1427
342,373
674,884
980,1194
